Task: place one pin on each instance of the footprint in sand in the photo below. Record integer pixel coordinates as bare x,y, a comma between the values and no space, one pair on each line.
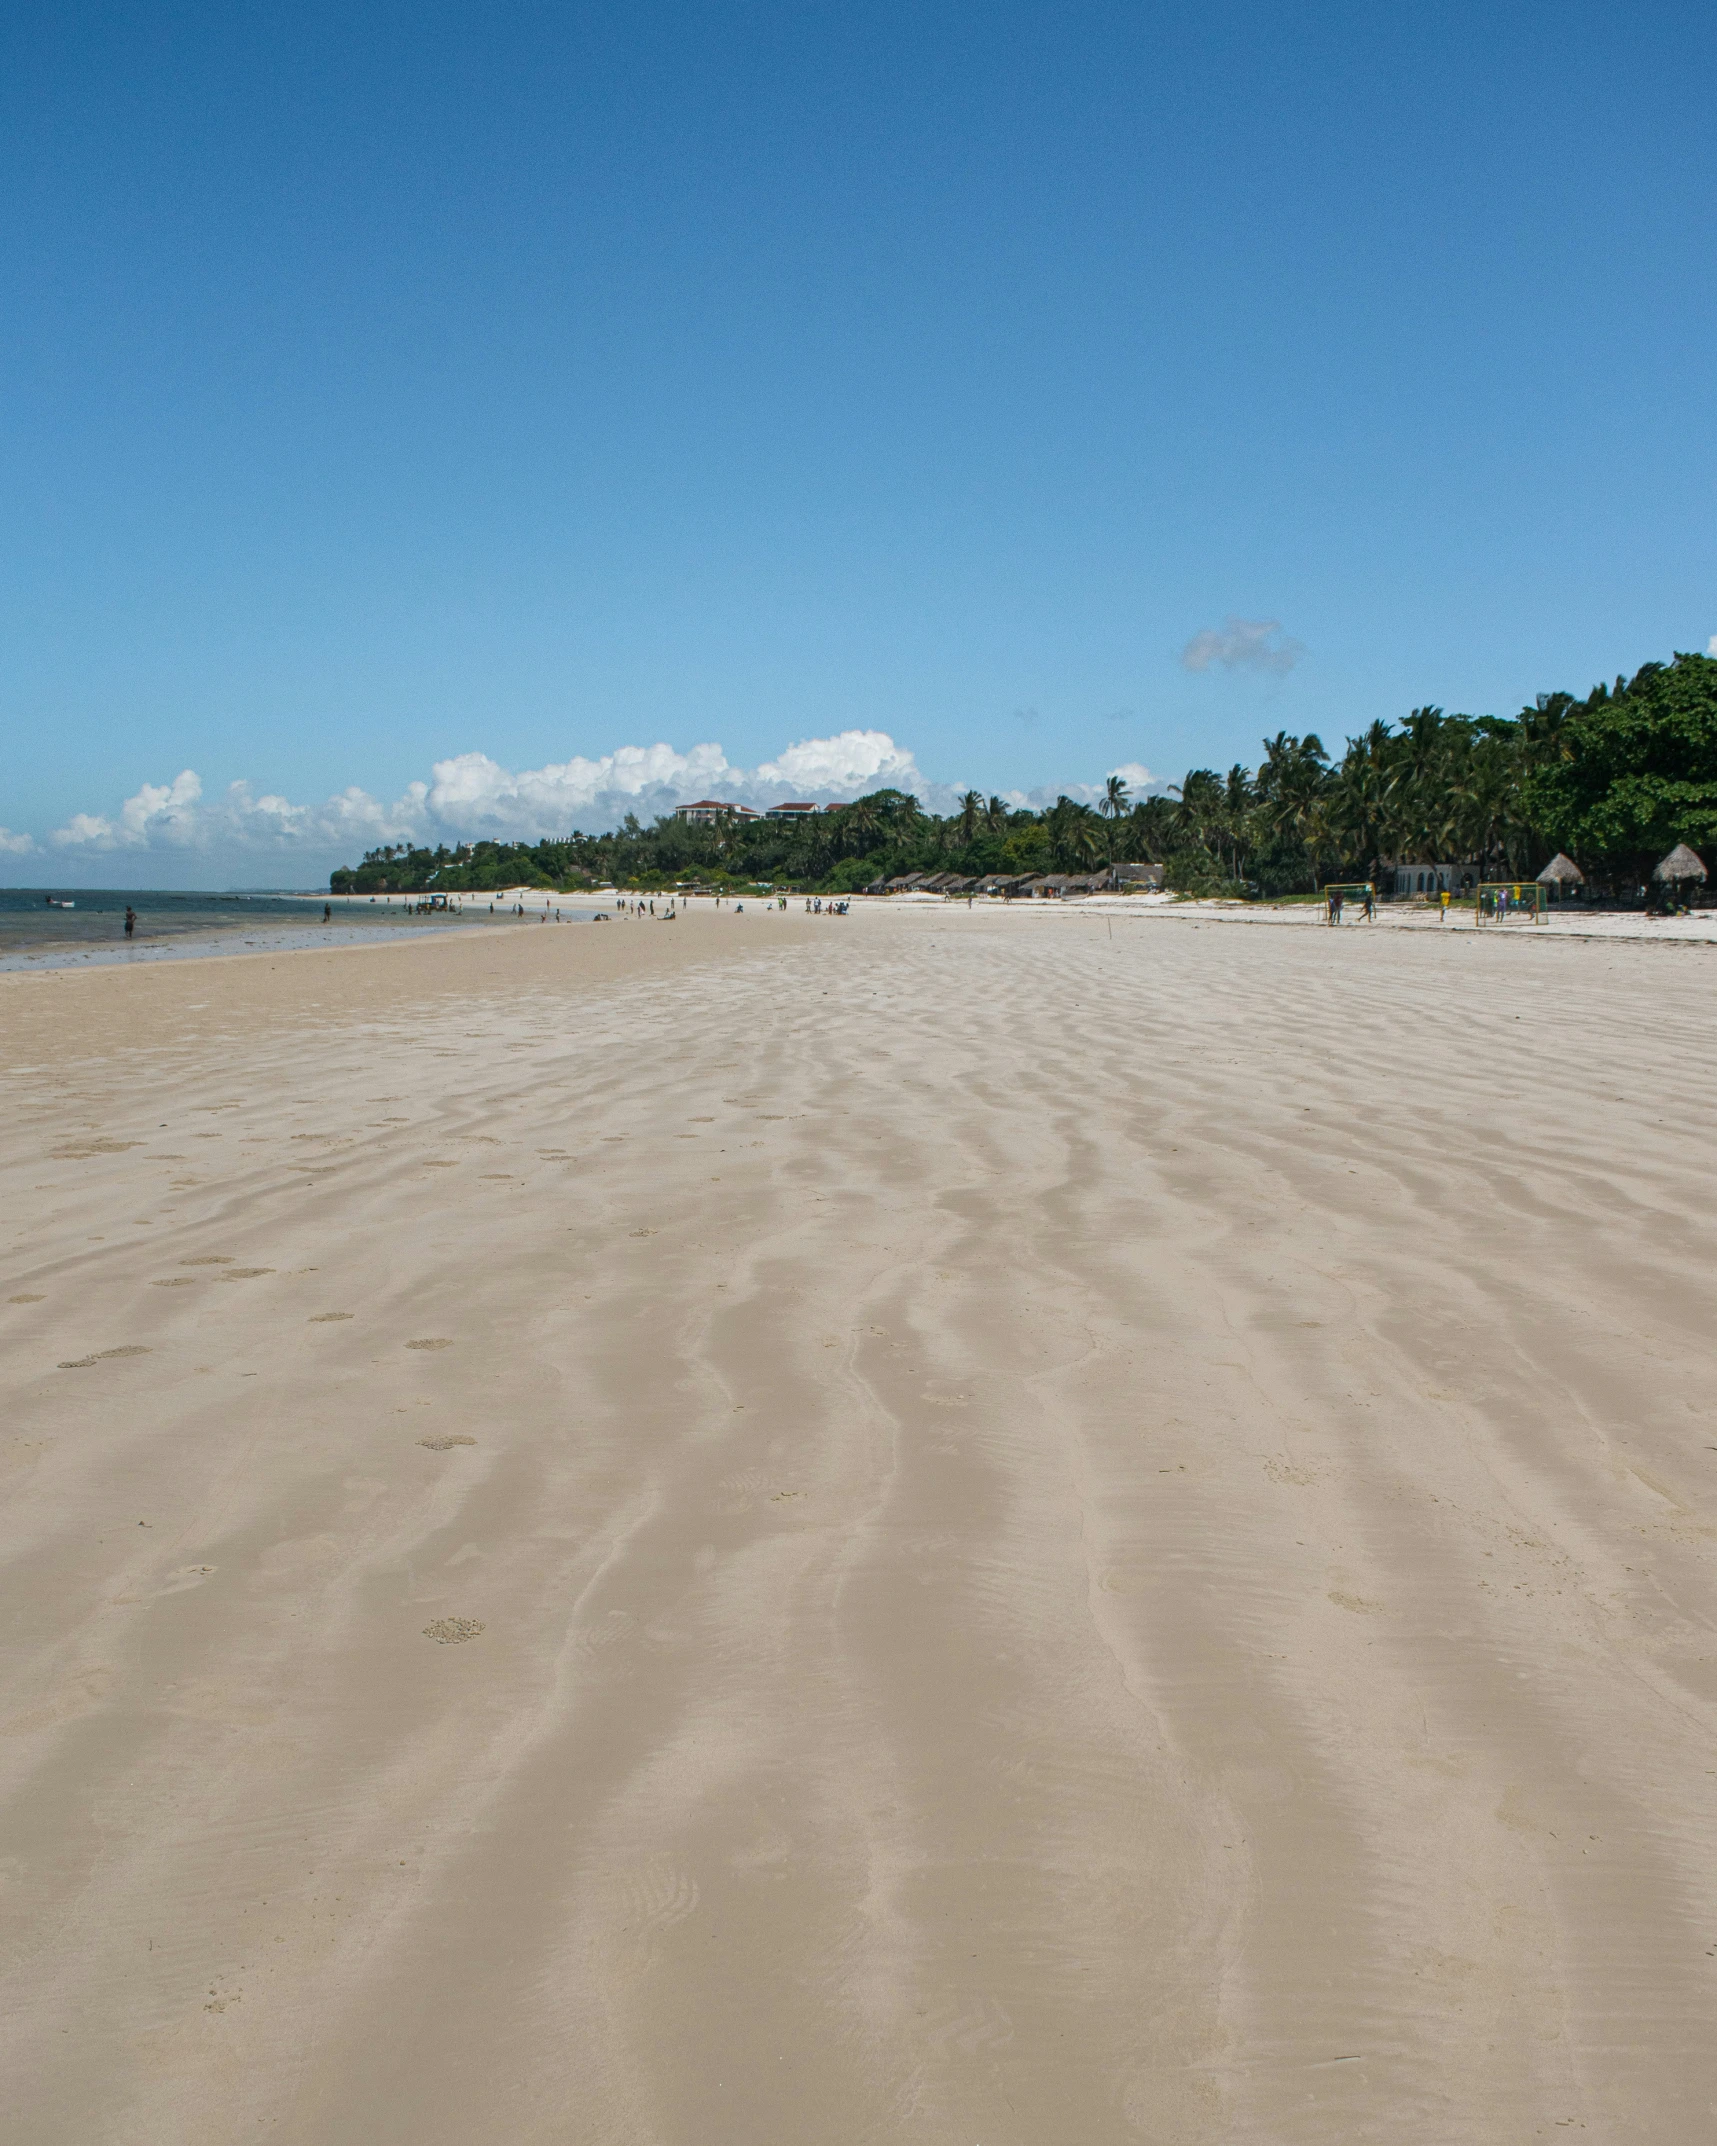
186,1576
26,1300
434,1341
453,1631
655,1895
208,1259
735,1493
327,1318
447,1442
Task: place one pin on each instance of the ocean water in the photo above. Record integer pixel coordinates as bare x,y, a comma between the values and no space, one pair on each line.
35,934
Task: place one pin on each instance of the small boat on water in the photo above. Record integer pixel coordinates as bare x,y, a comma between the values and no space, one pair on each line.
54,902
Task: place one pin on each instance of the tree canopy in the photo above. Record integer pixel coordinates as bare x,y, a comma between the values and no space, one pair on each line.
1616,780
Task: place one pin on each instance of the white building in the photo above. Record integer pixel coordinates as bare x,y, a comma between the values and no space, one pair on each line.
1429,879
710,811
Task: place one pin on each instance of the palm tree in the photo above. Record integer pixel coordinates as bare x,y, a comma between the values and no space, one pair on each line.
1061,822
1115,798
1085,839
996,817
1291,784
1237,800
860,824
1199,803
971,813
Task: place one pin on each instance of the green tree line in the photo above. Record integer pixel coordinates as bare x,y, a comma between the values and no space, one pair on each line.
1614,780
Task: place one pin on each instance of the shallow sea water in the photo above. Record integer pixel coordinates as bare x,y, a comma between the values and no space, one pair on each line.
36,934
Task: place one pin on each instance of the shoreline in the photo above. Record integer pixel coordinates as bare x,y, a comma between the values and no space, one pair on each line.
272,934
193,946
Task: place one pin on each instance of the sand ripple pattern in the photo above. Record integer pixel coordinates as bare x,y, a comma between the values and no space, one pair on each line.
1117,1548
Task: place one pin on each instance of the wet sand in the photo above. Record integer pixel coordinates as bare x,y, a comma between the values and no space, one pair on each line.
935,1527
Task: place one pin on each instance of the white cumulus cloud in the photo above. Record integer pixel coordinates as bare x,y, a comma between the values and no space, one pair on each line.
12,845
1243,644
851,764
176,816
471,796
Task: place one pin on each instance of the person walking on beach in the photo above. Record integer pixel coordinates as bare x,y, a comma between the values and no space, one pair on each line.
130,920
327,912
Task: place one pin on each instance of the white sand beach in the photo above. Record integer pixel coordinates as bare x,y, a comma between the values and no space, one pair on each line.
936,1526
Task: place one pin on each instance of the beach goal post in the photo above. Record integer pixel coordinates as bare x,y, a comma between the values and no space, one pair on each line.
1349,901
1511,901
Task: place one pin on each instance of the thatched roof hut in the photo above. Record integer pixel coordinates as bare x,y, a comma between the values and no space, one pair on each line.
1561,871
1681,863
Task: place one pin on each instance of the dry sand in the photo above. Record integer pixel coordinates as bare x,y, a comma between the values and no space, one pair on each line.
924,1528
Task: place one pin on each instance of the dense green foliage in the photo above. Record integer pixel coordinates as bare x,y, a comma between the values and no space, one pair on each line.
1615,780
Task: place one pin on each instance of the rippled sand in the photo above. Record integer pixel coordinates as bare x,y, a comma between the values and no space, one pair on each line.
940,1527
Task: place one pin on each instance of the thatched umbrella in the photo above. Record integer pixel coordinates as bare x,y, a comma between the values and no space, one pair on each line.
1561,871
1681,863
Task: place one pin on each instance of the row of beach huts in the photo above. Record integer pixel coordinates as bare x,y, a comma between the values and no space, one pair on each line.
1042,886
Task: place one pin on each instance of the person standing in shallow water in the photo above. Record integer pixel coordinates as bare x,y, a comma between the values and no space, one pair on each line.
130,920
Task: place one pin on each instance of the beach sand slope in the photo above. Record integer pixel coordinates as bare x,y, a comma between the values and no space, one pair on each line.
922,1528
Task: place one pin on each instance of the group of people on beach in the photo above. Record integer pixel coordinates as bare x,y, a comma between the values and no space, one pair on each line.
638,905
1335,899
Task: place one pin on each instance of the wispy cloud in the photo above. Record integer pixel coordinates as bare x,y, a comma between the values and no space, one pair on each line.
1243,644
1141,783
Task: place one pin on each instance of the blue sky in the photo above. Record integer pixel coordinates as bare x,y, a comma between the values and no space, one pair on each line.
435,397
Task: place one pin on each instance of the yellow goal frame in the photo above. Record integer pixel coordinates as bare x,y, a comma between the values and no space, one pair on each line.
1511,901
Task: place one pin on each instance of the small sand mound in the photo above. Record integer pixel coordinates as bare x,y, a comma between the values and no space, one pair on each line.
245,1274
26,1300
447,1441
93,1147
131,1348
327,1318
452,1631
434,1341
